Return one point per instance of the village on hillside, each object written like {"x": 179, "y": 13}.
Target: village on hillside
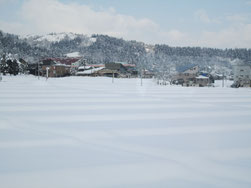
{"x": 188, "y": 76}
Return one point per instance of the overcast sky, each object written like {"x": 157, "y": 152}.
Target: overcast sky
{"x": 205, "y": 23}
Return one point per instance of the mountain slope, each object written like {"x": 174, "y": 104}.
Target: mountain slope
{"x": 103, "y": 48}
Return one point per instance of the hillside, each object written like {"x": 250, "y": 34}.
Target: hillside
{"x": 102, "y": 49}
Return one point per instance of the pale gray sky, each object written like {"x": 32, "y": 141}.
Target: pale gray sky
{"x": 208, "y": 23}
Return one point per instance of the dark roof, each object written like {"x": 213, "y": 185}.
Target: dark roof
{"x": 48, "y": 62}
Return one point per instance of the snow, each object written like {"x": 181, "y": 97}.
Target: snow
{"x": 223, "y": 83}
{"x": 73, "y": 54}
{"x": 52, "y": 37}
{"x": 202, "y": 77}
{"x": 90, "y": 71}
{"x": 93, "y": 40}
{"x": 149, "y": 48}
{"x": 89, "y": 132}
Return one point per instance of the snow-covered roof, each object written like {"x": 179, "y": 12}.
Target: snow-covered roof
{"x": 91, "y": 66}
{"x": 89, "y": 71}
{"x": 60, "y": 64}
{"x": 84, "y": 67}
{"x": 202, "y": 77}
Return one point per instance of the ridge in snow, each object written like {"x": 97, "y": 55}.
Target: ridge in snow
{"x": 52, "y": 37}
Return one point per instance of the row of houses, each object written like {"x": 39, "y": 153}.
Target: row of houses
{"x": 114, "y": 69}
{"x": 79, "y": 67}
{"x": 59, "y": 67}
{"x": 190, "y": 76}
{"x": 193, "y": 77}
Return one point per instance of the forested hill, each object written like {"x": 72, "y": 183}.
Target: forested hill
{"x": 103, "y": 48}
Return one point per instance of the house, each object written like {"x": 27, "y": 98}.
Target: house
{"x": 132, "y": 72}
{"x": 186, "y": 76}
{"x": 116, "y": 67}
{"x": 242, "y": 76}
{"x": 75, "y": 65}
{"x": 202, "y": 81}
{"x": 147, "y": 74}
{"x": 207, "y": 74}
{"x": 109, "y": 73}
{"x": 72, "y": 62}
{"x": 55, "y": 69}
{"x": 121, "y": 69}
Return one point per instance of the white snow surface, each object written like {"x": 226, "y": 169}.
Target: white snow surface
{"x": 73, "y": 54}
{"x": 89, "y": 132}
{"x": 52, "y": 37}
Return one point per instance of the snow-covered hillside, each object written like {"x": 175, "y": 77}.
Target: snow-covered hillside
{"x": 73, "y": 54}
{"x": 87, "y": 132}
{"x": 51, "y": 37}
{"x": 49, "y": 40}
{"x": 100, "y": 49}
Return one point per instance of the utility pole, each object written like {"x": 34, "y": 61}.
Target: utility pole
{"x": 223, "y": 80}
{"x": 38, "y": 70}
{"x": 141, "y": 79}
{"x": 112, "y": 76}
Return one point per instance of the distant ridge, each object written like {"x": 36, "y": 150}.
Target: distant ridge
{"x": 102, "y": 48}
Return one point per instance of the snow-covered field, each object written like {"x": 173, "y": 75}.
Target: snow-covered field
{"x": 80, "y": 132}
